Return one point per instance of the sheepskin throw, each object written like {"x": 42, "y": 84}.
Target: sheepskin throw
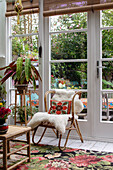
{"x": 59, "y": 121}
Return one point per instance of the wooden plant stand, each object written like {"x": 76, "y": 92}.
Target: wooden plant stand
{"x": 23, "y": 103}
{"x": 15, "y": 131}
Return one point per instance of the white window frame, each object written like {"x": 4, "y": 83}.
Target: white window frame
{"x": 63, "y": 60}
{"x": 9, "y": 37}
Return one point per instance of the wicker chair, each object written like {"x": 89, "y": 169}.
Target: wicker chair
{"x": 72, "y": 120}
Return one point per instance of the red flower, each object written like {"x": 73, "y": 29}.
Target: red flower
{"x": 37, "y": 157}
{"x": 70, "y": 150}
{"x": 59, "y": 104}
{"x": 108, "y": 158}
{"x": 53, "y": 107}
{"x": 84, "y": 160}
{"x": 34, "y": 151}
{"x": 4, "y": 112}
{"x": 58, "y": 112}
{"x": 64, "y": 107}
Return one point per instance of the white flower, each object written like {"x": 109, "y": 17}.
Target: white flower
{"x": 60, "y": 85}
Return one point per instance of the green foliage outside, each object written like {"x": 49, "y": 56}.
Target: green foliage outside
{"x": 28, "y": 45}
{"x": 71, "y": 45}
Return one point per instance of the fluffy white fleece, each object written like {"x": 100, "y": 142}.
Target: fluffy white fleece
{"x": 59, "y": 121}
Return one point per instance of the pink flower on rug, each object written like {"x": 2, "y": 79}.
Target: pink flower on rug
{"x": 84, "y": 160}
{"x": 108, "y": 158}
{"x": 40, "y": 158}
{"x": 23, "y": 167}
{"x": 57, "y": 165}
{"x": 34, "y": 151}
{"x": 70, "y": 150}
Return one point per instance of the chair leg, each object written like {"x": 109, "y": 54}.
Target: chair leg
{"x": 55, "y": 132}
{"x": 59, "y": 144}
{"x": 62, "y": 148}
{"x": 78, "y": 130}
{"x": 36, "y": 143}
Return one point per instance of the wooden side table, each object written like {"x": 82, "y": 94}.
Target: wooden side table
{"x": 15, "y": 131}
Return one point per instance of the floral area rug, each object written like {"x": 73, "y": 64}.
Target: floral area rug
{"x": 51, "y": 158}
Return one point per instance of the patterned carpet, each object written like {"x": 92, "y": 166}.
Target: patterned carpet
{"x": 51, "y": 158}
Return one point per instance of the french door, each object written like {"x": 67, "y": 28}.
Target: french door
{"x": 103, "y": 119}
{"x": 99, "y": 122}
{"x": 96, "y": 121}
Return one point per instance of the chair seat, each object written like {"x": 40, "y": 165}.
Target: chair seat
{"x": 43, "y": 118}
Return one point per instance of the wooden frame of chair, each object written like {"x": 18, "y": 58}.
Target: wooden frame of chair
{"x": 73, "y": 125}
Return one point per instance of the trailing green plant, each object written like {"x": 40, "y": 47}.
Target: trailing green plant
{"x": 21, "y": 71}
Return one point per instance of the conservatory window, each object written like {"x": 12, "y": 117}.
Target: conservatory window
{"x": 69, "y": 51}
{"x": 24, "y": 43}
{"x": 68, "y": 56}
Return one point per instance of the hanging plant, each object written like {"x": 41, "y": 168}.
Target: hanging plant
{"x": 18, "y": 8}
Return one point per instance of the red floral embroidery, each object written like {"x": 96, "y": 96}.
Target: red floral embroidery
{"x": 60, "y": 107}
{"x": 58, "y": 112}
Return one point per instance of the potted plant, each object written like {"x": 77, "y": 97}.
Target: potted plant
{"x": 22, "y": 73}
{"x": 21, "y": 112}
{"x": 4, "y": 112}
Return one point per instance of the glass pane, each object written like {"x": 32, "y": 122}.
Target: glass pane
{"x": 69, "y": 75}
{"x": 28, "y": 24}
{"x": 34, "y": 100}
{"x": 25, "y": 47}
{"x": 107, "y": 107}
{"x": 69, "y": 46}
{"x": 83, "y": 114}
{"x": 69, "y": 22}
{"x": 107, "y": 17}
{"x": 107, "y": 75}
{"x": 107, "y": 44}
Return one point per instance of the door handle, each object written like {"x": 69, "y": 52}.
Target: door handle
{"x": 98, "y": 67}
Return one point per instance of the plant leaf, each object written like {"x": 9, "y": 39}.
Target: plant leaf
{"x": 6, "y": 76}
{"x": 27, "y": 69}
{"x": 36, "y": 72}
{"x": 19, "y": 67}
{"x": 22, "y": 80}
{"x": 2, "y": 68}
{"x": 34, "y": 83}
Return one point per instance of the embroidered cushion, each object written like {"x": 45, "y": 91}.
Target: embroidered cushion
{"x": 60, "y": 107}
